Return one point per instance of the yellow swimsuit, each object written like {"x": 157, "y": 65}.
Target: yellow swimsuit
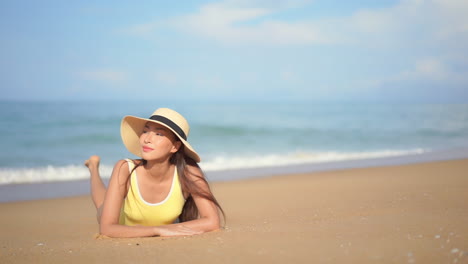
{"x": 136, "y": 211}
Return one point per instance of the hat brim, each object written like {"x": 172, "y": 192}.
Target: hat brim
{"x": 131, "y": 129}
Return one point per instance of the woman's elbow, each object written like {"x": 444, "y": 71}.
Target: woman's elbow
{"x": 213, "y": 224}
{"x": 105, "y": 230}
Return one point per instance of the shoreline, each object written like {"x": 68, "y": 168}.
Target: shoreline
{"x": 412, "y": 213}
{"x": 62, "y": 189}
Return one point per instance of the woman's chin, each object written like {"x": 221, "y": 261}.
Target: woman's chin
{"x": 152, "y": 157}
{"x": 147, "y": 156}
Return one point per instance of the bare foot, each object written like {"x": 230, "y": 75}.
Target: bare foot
{"x": 92, "y": 162}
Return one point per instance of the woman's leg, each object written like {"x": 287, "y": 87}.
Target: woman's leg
{"x": 98, "y": 189}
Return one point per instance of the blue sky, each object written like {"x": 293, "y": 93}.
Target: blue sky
{"x": 322, "y": 50}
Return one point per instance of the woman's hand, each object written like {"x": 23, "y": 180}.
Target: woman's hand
{"x": 175, "y": 230}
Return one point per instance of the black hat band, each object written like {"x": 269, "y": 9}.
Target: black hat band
{"x": 170, "y": 124}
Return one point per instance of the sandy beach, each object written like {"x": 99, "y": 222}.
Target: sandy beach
{"x": 414, "y": 213}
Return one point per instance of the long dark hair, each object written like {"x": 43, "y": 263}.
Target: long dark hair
{"x": 189, "y": 186}
{"x": 190, "y": 210}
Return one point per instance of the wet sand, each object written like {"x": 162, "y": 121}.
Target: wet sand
{"x": 391, "y": 214}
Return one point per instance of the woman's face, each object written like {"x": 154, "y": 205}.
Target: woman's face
{"x": 157, "y": 142}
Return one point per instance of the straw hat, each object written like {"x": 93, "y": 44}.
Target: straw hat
{"x": 132, "y": 127}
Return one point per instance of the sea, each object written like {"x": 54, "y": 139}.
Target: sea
{"x": 49, "y": 141}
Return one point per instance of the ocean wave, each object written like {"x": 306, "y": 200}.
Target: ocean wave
{"x": 270, "y": 160}
{"x": 48, "y": 174}
{"x": 216, "y": 163}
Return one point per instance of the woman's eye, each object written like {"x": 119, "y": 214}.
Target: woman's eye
{"x": 159, "y": 134}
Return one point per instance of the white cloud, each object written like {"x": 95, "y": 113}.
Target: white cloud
{"x": 431, "y": 68}
{"x": 235, "y": 22}
{"x": 426, "y": 69}
{"x": 420, "y": 21}
{"x": 436, "y": 70}
{"x": 250, "y": 22}
{"x": 273, "y": 4}
{"x": 240, "y": 22}
{"x": 452, "y": 19}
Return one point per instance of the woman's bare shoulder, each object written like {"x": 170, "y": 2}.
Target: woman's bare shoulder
{"x": 124, "y": 163}
{"x": 121, "y": 169}
{"x": 121, "y": 164}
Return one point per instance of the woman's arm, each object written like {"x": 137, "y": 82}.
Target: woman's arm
{"x": 209, "y": 217}
{"x": 109, "y": 223}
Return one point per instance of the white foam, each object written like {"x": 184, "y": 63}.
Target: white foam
{"x": 221, "y": 162}
{"x": 299, "y": 157}
{"x": 49, "y": 173}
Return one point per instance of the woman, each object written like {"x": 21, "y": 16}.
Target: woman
{"x": 145, "y": 197}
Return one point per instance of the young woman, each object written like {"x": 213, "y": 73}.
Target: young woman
{"x": 147, "y": 196}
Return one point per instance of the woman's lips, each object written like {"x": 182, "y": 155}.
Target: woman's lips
{"x": 147, "y": 149}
